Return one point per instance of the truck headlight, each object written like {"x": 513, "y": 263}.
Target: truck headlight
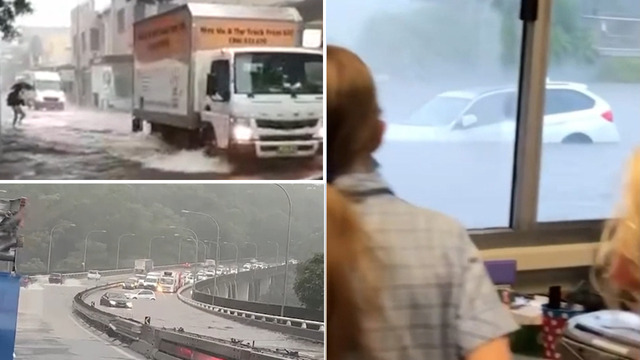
{"x": 242, "y": 132}
{"x": 320, "y": 132}
{"x": 242, "y": 121}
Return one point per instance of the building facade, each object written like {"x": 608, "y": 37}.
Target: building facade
{"x": 103, "y": 44}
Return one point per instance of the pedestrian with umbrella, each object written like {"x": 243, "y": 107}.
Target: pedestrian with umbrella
{"x": 15, "y": 100}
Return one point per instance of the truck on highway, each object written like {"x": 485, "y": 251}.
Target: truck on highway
{"x": 170, "y": 282}
{"x": 231, "y": 78}
{"x": 142, "y": 266}
{"x": 209, "y": 263}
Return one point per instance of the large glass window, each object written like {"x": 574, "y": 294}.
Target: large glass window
{"x": 592, "y": 120}
{"x": 447, "y": 76}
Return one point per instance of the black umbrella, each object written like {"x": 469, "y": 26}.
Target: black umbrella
{"x": 21, "y": 86}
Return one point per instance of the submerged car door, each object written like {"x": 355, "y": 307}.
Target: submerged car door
{"x": 491, "y": 118}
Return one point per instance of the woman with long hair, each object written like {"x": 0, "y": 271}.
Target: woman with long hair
{"x": 437, "y": 300}
{"x": 350, "y": 261}
{"x": 616, "y": 274}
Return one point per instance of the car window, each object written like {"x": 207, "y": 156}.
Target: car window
{"x": 439, "y": 111}
{"x": 563, "y": 100}
{"x": 492, "y": 109}
{"x": 146, "y": 292}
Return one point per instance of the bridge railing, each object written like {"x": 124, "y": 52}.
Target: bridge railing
{"x": 309, "y": 327}
{"x": 163, "y": 343}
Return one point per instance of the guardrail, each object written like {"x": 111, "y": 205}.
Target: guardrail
{"x": 167, "y": 344}
{"x": 307, "y": 329}
{"x": 78, "y": 275}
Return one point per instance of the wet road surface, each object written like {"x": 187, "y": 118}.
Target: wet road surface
{"x": 92, "y": 145}
{"x": 47, "y": 329}
{"x": 168, "y": 311}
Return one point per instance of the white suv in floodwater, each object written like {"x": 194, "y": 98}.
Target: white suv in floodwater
{"x": 573, "y": 114}
{"x": 94, "y": 275}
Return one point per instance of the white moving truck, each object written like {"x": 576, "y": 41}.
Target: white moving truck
{"x": 142, "y": 266}
{"x": 231, "y": 78}
{"x": 47, "y": 90}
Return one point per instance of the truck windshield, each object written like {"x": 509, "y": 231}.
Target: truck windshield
{"x": 166, "y": 281}
{"x": 47, "y": 85}
{"x": 278, "y": 73}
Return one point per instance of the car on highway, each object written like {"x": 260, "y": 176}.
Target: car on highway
{"x": 141, "y": 294}
{"x": 151, "y": 282}
{"x": 130, "y": 284}
{"x": 56, "y": 278}
{"x": 573, "y": 114}
{"x": 140, "y": 278}
{"x": 117, "y": 300}
{"x": 94, "y": 275}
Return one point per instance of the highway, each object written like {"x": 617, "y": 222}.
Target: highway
{"x": 170, "y": 312}
{"x": 47, "y": 329}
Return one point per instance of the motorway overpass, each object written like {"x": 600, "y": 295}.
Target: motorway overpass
{"x": 47, "y": 330}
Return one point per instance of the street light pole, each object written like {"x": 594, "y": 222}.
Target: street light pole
{"x": 51, "y": 242}
{"x": 86, "y": 245}
{"x": 215, "y": 276}
{"x": 205, "y": 247}
{"x": 151, "y": 242}
{"x": 255, "y": 245}
{"x": 277, "y": 250}
{"x": 195, "y": 242}
{"x": 195, "y": 265}
{"x": 118, "y": 252}
{"x": 237, "y": 257}
{"x": 286, "y": 255}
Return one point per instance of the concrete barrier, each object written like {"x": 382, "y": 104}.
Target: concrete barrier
{"x": 167, "y": 344}
{"x": 306, "y": 329}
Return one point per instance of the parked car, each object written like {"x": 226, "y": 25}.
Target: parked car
{"x": 141, "y": 294}
{"x": 94, "y": 275}
{"x": 56, "y": 278}
{"x": 117, "y": 300}
{"x": 572, "y": 114}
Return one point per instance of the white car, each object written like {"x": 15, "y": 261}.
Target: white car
{"x": 141, "y": 294}
{"x": 94, "y": 275}
{"x": 573, "y": 114}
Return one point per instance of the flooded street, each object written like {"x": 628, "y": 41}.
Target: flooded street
{"x": 93, "y": 145}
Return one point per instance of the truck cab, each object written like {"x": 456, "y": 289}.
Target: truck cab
{"x": 262, "y": 102}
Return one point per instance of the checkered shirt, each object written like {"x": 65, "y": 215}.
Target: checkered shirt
{"x": 438, "y": 298}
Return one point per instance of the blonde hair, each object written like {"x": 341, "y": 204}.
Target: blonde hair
{"x": 352, "y": 110}
{"x": 616, "y": 273}
{"x": 350, "y": 260}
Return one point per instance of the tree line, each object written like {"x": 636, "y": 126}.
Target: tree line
{"x": 251, "y": 217}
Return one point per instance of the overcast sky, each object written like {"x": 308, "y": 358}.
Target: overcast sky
{"x": 53, "y": 13}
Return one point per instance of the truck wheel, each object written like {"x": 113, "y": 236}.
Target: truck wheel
{"x": 136, "y": 124}
{"x": 208, "y": 139}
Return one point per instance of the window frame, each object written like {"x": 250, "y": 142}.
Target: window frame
{"x": 524, "y": 228}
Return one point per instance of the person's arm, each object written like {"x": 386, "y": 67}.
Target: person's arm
{"x": 497, "y": 349}
{"x": 483, "y": 322}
